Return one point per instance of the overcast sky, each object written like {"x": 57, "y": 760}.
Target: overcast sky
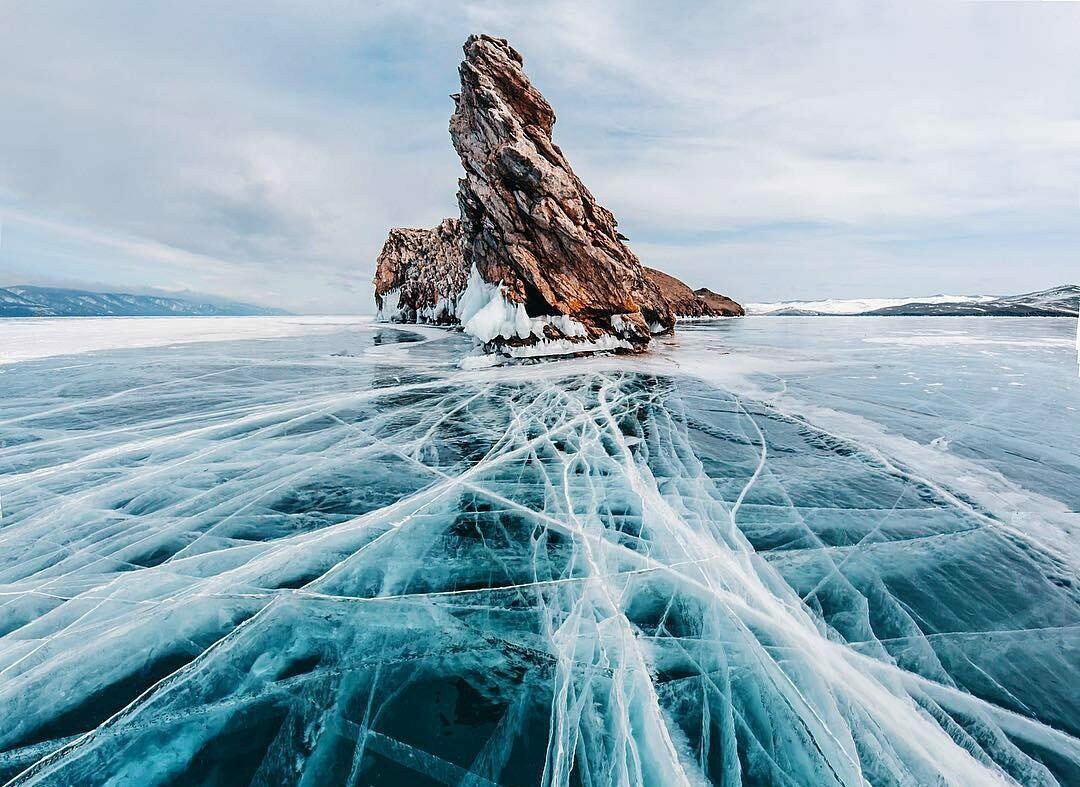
{"x": 260, "y": 149}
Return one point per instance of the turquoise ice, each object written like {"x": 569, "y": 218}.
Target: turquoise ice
{"x": 773, "y": 551}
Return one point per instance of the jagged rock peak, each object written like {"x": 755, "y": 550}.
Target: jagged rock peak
{"x": 548, "y": 260}
{"x": 420, "y": 274}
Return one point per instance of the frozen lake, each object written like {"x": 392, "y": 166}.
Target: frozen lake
{"x": 313, "y": 551}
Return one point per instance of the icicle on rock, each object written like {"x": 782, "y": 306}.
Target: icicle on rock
{"x": 420, "y": 275}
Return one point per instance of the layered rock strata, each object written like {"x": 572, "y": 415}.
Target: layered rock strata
{"x": 420, "y": 275}
{"x": 547, "y": 261}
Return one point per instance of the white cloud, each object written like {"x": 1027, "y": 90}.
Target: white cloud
{"x": 281, "y": 142}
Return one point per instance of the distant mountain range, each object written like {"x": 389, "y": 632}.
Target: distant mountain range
{"x": 59, "y": 302}
{"x": 1061, "y": 301}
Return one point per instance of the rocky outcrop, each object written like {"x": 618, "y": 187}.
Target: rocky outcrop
{"x": 420, "y": 274}
{"x": 720, "y": 305}
{"x": 688, "y": 303}
{"x": 535, "y": 266}
{"x": 547, "y": 261}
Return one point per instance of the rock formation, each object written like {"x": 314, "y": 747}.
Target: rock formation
{"x": 534, "y": 266}
{"x": 720, "y": 305}
{"x": 685, "y": 302}
{"x": 420, "y": 275}
{"x": 548, "y": 263}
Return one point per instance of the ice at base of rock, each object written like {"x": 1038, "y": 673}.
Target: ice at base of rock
{"x": 485, "y": 313}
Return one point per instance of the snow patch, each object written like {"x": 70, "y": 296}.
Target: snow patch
{"x": 860, "y": 305}
{"x": 27, "y": 338}
{"x": 485, "y": 313}
{"x": 948, "y": 340}
{"x": 479, "y": 361}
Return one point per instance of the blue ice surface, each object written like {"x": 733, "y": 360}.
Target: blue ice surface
{"x": 774, "y": 551}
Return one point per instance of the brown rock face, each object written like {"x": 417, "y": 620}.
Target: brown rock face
{"x": 720, "y": 305}
{"x": 420, "y": 274}
{"x": 680, "y": 297}
{"x": 685, "y": 302}
{"x": 527, "y": 221}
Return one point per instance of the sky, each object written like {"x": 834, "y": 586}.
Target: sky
{"x": 260, "y": 149}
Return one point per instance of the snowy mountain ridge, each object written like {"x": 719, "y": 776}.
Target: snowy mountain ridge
{"x": 1055, "y": 302}
{"x": 27, "y": 301}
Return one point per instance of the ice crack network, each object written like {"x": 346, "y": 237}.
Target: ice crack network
{"x": 316, "y": 568}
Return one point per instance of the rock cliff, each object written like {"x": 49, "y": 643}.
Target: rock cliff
{"x": 685, "y": 302}
{"x": 720, "y": 305}
{"x": 548, "y": 263}
{"x": 420, "y": 274}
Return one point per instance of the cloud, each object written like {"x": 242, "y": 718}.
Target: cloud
{"x": 261, "y": 150}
